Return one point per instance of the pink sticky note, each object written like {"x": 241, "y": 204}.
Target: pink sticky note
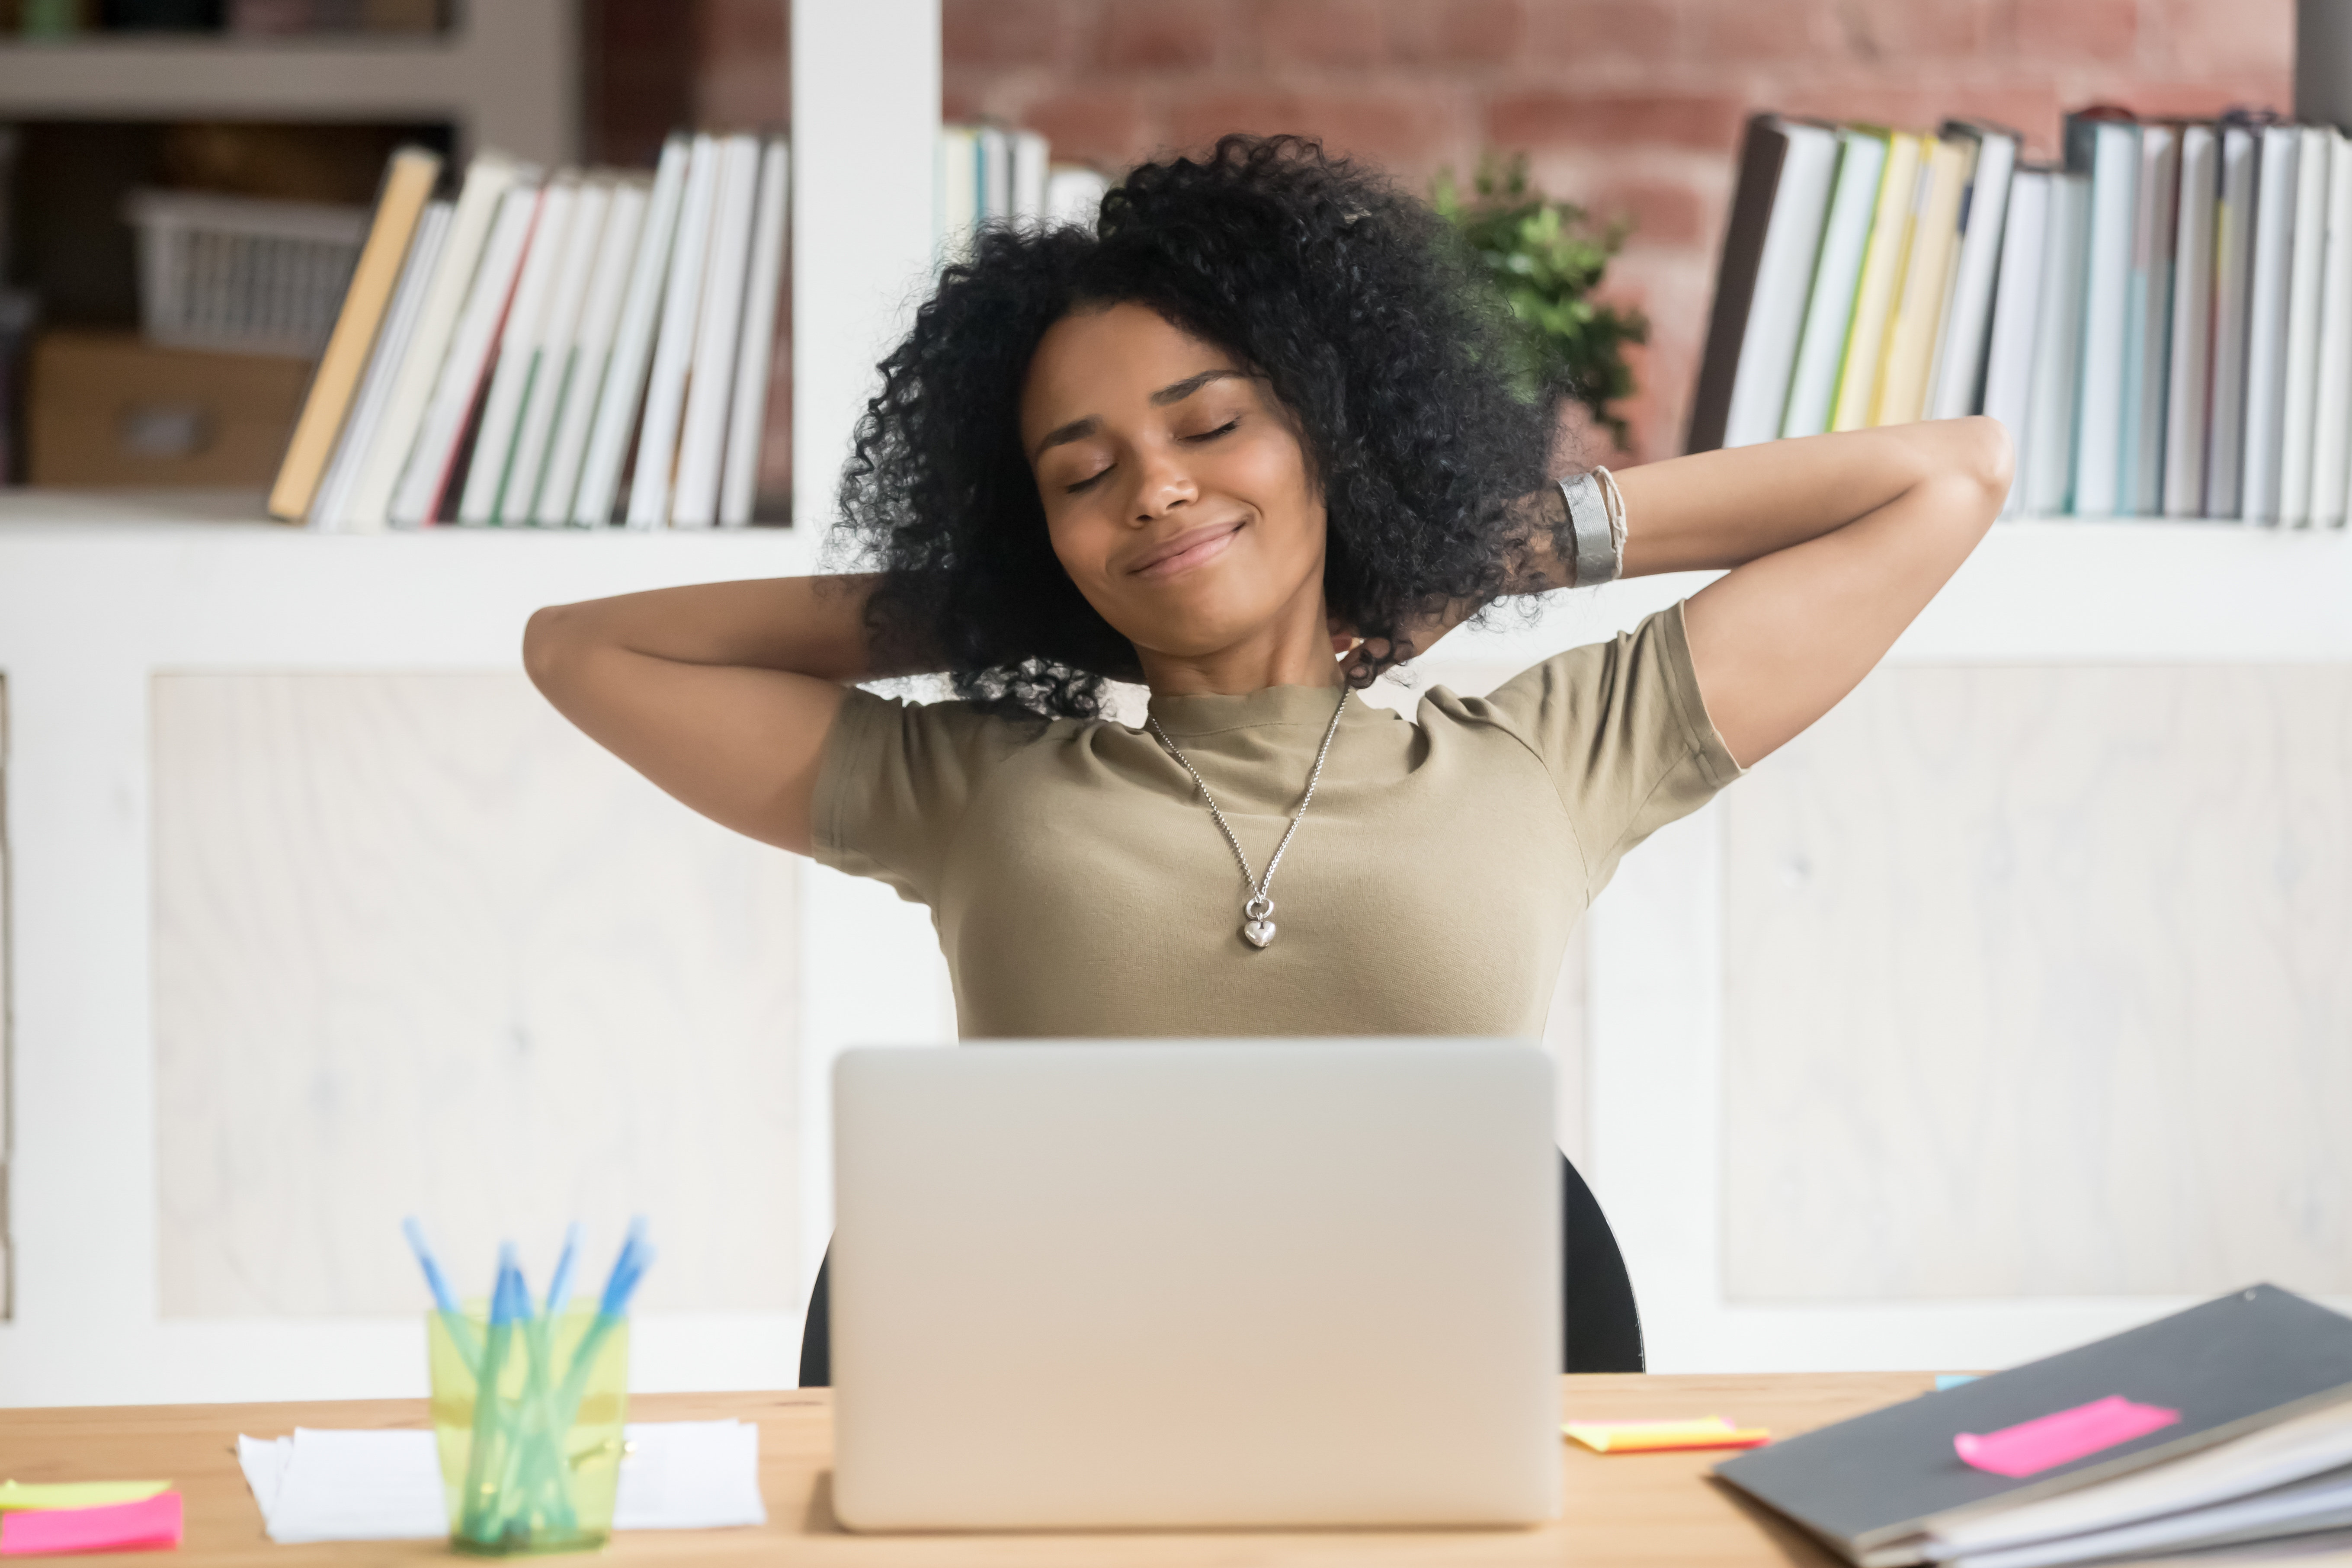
{"x": 146, "y": 1526}
{"x": 2046, "y": 1442}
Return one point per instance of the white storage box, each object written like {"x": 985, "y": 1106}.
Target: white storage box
{"x": 239, "y": 274}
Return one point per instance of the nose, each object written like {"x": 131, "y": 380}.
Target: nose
{"x": 1163, "y": 482}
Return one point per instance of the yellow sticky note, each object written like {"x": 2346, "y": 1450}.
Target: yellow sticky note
{"x": 77, "y": 1494}
{"x": 1655, "y": 1437}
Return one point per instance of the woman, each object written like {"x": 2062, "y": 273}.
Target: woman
{"x": 1252, "y": 443}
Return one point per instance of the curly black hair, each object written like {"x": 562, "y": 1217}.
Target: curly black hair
{"x": 1357, "y": 303}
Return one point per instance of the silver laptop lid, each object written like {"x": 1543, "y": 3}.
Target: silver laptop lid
{"x": 1119, "y": 1284}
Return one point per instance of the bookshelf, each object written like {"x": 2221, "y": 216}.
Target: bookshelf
{"x": 506, "y": 75}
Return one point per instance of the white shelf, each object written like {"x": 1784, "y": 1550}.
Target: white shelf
{"x": 206, "y": 584}
{"x": 508, "y": 77}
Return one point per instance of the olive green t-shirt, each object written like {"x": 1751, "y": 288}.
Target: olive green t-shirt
{"x": 1080, "y": 888}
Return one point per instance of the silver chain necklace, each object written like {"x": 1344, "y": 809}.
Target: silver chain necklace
{"x": 1257, "y": 909}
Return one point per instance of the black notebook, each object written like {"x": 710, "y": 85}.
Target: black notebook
{"x": 1870, "y": 1486}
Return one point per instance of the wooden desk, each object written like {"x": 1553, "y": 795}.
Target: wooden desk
{"x": 1622, "y": 1509}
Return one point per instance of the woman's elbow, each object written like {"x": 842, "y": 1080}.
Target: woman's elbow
{"x": 550, "y": 640}
{"x": 1988, "y": 458}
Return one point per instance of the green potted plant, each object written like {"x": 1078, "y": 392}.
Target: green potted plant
{"x": 1548, "y": 259}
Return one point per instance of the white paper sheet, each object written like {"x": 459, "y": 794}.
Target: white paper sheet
{"x": 387, "y": 1485}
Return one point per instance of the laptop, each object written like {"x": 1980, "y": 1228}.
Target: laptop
{"x": 1195, "y": 1284}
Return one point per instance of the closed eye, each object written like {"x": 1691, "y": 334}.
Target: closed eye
{"x": 1085, "y": 484}
{"x": 1225, "y": 430}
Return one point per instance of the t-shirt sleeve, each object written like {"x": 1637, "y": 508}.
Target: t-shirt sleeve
{"x": 894, "y": 784}
{"x": 1622, "y": 729}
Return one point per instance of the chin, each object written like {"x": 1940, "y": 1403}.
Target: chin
{"x": 1185, "y": 621}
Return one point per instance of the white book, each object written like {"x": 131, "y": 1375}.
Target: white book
{"x": 2016, "y": 319}
{"x": 2147, "y": 333}
{"x": 2271, "y": 279}
{"x": 1837, "y": 273}
{"x": 1029, "y": 156}
{"x": 600, "y": 317}
{"x": 488, "y": 179}
{"x": 2233, "y": 265}
{"x": 2331, "y": 442}
{"x": 2309, "y": 256}
{"x": 995, "y": 174}
{"x": 2189, "y": 392}
{"x": 329, "y": 509}
{"x": 747, "y": 409}
{"x": 554, "y": 354}
{"x": 2108, "y": 151}
{"x": 960, "y": 207}
{"x": 1960, "y": 354}
{"x": 1784, "y": 275}
{"x": 472, "y": 341}
{"x": 1074, "y": 196}
{"x": 657, "y": 428}
{"x": 623, "y": 387}
{"x": 2050, "y": 446}
{"x": 703, "y": 435}
{"x": 518, "y": 351}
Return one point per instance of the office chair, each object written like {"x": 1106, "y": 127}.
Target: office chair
{"x": 1601, "y": 1328}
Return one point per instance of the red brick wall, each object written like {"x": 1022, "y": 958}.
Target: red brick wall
{"x": 1630, "y": 107}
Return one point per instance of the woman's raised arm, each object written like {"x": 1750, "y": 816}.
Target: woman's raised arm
{"x": 722, "y": 694}
{"x": 1834, "y": 544}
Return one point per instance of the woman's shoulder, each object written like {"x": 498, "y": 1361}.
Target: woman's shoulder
{"x": 976, "y": 727}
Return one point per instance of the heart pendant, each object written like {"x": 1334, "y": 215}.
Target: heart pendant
{"x": 1259, "y": 932}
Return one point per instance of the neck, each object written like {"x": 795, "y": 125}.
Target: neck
{"x": 1292, "y": 649}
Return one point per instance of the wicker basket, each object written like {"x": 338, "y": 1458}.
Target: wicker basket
{"x": 240, "y": 275}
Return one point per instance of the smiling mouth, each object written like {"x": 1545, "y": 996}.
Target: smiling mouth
{"x": 1191, "y": 548}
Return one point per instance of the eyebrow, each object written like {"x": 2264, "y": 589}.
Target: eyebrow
{"x": 1175, "y": 392}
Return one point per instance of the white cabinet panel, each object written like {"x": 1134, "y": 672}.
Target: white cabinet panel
{"x": 2035, "y": 983}
{"x": 420, "y": 947}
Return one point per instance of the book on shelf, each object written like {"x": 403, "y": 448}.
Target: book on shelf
{"x": 1962, "y": 342}
{"x": 1837, "y": 275}
{"x": 1776, "y": 234}
{"x": 2163, "y": 322}
{"x": 427, "y": 477}
{"x": 408, "y": 182}
{"x": 528, "y": 296}
{"x": 585, "y": 347}
{"x": 623, "y": 392}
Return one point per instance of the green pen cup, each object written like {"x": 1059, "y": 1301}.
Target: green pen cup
{"x": 530, "y": 1443}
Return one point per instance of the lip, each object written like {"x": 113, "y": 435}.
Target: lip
{"x": 1193, "y": 547}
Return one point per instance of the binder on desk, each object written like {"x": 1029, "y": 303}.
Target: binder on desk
{"x": 2249, "y": 1393}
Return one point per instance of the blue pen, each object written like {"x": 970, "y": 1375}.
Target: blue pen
{"x": 559, "y": 1284}
{"x": 461, "y": 1332}
{"x": 488, "y": 1457}
{"x": 543, "y": 1374}
{"x": 629, "y": 1268}
{"x": 434, "y": 1279}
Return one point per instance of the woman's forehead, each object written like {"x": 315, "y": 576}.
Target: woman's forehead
{"x": 1105, "y": 361}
